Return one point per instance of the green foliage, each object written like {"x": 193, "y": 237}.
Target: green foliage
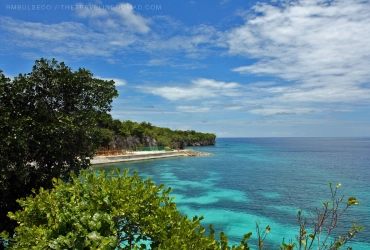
{"x": 48, "y": 127}
{"x": 105, "y": 136}
{"x": 103, "y": 212}
{"x": 262, "y": 235}
{"x": 325, "y": 221}
{"x": 162, "y": 136}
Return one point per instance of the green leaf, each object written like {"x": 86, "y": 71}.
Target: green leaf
{"x": 352, "y": 201}
{"x": 94, "y": 236}
{"x": 4, "y": 235}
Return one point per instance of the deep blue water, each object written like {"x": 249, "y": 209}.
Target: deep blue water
{"x": 267, "y": 180}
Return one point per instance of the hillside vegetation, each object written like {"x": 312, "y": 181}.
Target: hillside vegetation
{"x": 127, "y": 134}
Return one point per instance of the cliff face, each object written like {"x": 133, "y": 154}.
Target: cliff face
{"x": 204, "y": 143}
{"x": 184, "y": 144}
{"x": 129, "y": 142}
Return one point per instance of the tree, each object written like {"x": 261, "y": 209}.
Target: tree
{"x": 106, "y": 136}
{"x": 48, "y": 124}
{"x": 109, "y": 212}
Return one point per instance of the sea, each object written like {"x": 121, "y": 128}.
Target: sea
{"x": 266, "y": 181}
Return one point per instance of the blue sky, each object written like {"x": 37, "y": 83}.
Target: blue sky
{"x": 231, "y": 67}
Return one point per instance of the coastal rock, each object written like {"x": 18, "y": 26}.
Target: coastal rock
{"x": 203, "y": 143}
{"x": 195, "y": 153}
{"x": 149, "y": 141}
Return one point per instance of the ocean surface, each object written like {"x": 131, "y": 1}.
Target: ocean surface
{"x": 267, "y": 180}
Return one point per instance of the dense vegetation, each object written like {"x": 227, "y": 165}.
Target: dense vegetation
{"x": 48, "y": 124}
{"x": 129, "y": 134}
{"x": 98, "y": 212}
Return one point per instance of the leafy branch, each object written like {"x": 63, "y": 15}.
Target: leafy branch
{"x": 324, "y": 222}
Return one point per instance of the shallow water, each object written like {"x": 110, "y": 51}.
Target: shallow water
{"x": 266, "y": 180}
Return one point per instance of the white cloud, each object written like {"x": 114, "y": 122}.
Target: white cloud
{"x": 322, "y": 48}
{"x": 196, "y": 41}
{"x": 157, "y": 62}
{"x": 108, "y": 33}
{"x": 174, "y": 63}
{"x": 132, "y": 19}
{"x": 117, "y": 81}
{"x": 199, "y": 89}
{"x": 213, "y": 84}
{"x": 177, "y": 93}
{"x": 39, "y": 31}
{"x": 121, "y": 14}
{"x": 192, "y": 109}
{"x": 86, "y": 11}
{"x": 66, "y": 38}
{"x": 283, "y": 111}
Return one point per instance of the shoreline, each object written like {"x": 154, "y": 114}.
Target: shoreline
{"x": 143, "y": 155}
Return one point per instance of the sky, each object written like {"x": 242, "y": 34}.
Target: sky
{"x": 236, "y": 68}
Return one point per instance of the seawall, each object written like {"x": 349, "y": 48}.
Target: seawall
{"x": 136, "y": 156}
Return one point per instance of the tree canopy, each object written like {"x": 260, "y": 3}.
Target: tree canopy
{"x": 49, "y": 128}
{"x": 109, "y": 212}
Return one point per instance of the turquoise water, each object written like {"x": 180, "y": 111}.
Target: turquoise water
{"x": 266, "y": 180}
